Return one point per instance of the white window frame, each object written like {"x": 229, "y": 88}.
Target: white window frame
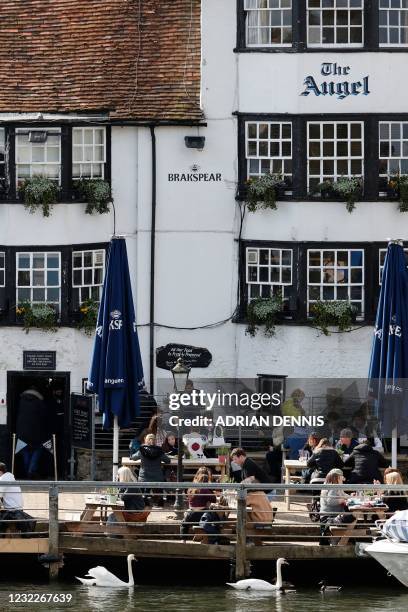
{"x": 3, "y": 152}
{"x": 51, "y": 131}
{"x": 274, "y": 286}
{"x": 334, "y": 9}
{"x": 255, "y": 12}
{"x": 381, "y": 265}
{"x": 401, "y": 141}
{"x": 336, "y": 284}
{"x": 335, "y": 158}
{"x": 387, "y": 11}
{"x": 91, "y": 147}
{"x": 266, "y": 161}
{"x": 3, "y": 267}
{"x": 94, "y": 267}
{"x": 31, "y": 270}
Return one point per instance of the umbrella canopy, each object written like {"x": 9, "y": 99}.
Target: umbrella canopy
{"x": 116, "y": 372}
{"x": 389, "y": 356}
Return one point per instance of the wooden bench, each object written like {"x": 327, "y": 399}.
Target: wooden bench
{"x": 202, "y": 536}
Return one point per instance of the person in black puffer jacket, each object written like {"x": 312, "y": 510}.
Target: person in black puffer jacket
{"x": 324, "y": 459}
{"x": 365, "y": 463}
{"x": 151, "y": 458}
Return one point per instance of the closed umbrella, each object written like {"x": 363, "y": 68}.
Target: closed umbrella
{"x": 389, "y": 356}
{"x": 116, "y": 373}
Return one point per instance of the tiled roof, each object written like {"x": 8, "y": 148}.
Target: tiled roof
{"x": 138, "y": 59}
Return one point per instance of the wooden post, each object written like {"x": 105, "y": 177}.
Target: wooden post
{"x": 53, "y": 530}
{"x": 240, "y": 548}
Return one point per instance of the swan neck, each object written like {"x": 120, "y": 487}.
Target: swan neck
{"x": 279, "y": 581}
{"x": 131, "y": 581}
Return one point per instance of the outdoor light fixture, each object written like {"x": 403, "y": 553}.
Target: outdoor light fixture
{"x": 37, "y": 136}
{"x": 195, "y": 142}
{"x": 180, "y": 374}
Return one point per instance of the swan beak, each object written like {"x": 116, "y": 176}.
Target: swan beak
{"x": 286, "y": 563}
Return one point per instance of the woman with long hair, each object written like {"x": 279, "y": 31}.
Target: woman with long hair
{"x": 199, "y": 500}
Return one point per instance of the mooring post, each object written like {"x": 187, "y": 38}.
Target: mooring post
{"x": 53, "y": 531}
{"x": 240, "y": 548}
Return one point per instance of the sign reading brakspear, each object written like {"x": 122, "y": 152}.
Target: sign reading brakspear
{"x": 338, "y": 82}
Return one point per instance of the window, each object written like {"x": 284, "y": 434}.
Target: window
{"x": 268, "y": 271}
{"x": 38, "y": 277}
{"x": 335, "y": 274}
{"x": 2, "y": 269}
{"x": 393, "y": 23}
{"x": 268, "y": 22}
{"x": 393, "y": 150}
{"x": 2, "y": 159}
{"x": 381, "y": 261}
{"x": 269, "y": 149}
{"x": 335, "y": 149}
{"x": 38, "y": 151}
{"x": 87, "y": 275}
{"x": 88, "y": 152}
{"x": 335, "y": 23}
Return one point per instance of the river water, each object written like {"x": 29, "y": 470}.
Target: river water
{"x": 204, "y": 599}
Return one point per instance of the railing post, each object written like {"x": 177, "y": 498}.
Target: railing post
{"x": 53, "y": 531}
{"x": 240, "y": 548}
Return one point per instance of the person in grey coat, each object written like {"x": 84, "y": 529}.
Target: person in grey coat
{"x": 151, "y": 458}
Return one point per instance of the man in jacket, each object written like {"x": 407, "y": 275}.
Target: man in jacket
{"x": 249, "y": 469}
{"x": 347, "y": 442}
{"x": 365, "y": 463}
{"x": 151, "y": 458}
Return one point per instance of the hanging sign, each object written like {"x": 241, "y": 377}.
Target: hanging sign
{"x": 341, "y": 88}
{"x": 193, "y": 356}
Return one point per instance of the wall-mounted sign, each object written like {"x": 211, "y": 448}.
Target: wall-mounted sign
{"x": 82, "y": 421}
{"x": 195, "y": 176}
{"x": 341, "y": 88}
{"x": 193, "y": 356}
{"x": 39, "y": 360}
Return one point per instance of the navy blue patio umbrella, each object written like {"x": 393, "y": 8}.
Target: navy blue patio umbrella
{"x": 116, "y": 373}
{"x": 388, "y": 371}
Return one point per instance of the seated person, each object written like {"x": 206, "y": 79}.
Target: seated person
{"x": 169, "y": 445}
{"x": 333, "y": 506}
{"x": 133, "y": 501}
{"x": 212, "y": 520}
{"x": 324, "y": 459}
{"x": 12, "y": 504}
{"x": 365, "y": 463}
{"x": 394, "y": 498}
{"x": 199, "y": 501}
{"x": 347, "y": 442}
{"x": 311, "y": 444}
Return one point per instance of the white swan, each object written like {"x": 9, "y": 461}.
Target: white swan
{"x": 252, "y": 584}
{"x": 100, "y": 576}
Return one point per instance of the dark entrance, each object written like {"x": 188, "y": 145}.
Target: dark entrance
{"x": 54, "y": 387}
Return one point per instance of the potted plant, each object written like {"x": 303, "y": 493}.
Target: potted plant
{"x": 398, "y": 187}
{"x": 41, "y": 316}
{"x": 349, "y": 189}
{"x": 222, "y": 453}
{"x": 88, "y": 316}
{"x": 325, "y": 189}
{"x": 96, "y": 192}
{"x": 39, "y": 192}
{"x": 337, "y": 313}
{"x": 263, "y": 311}
{"x": 263, "y": 191}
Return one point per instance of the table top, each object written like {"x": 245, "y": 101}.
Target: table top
{"x": 294, "y": 463}
{"x": 101, "y": 500}
{"x": 174, "y": 459}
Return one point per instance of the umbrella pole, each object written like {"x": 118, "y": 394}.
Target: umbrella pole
{"x": 115, "y": 448}
{"x": 14, "y": 453}
{"x": 394, "y": 446}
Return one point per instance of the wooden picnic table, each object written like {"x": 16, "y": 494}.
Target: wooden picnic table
{"x": 362, "y": 513}
{"x": 97, "y": 507}
{"x": 187, "y": 463}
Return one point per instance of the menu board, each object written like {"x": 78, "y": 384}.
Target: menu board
{"x": 82, "y": 422}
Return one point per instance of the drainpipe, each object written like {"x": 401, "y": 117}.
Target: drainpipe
{"x": 152, "y": 258}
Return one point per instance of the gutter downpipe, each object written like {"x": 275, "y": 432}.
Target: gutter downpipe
{"x": 152, "y": 256}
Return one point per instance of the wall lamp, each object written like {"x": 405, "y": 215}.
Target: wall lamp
{"x": 194, "y": 142}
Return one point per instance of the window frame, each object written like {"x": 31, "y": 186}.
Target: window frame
{"x": 45, "y": 269}
{"x": 83, "y": 268}
{"x": 299, "y": 33}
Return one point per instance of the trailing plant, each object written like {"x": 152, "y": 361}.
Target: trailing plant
{"x": 88, "y": 316}
{"x": 347, "y": 188}
{"x": 41, "y": 316}
{"x": 97, "y": 194}
{"x": 263, "y": 311}
{"x": 39, "y": 192}
{"x": 337, "y": 313}
{"x": 263, "y": 191}
{"x": 399, "y": 184}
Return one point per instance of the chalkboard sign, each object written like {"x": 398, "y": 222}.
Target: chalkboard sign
{"x": 39, "y": 360}
{"x": 82, "y": 422}
{"x": 193, "y": 356}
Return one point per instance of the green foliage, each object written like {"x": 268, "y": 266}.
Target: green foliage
{"x": 89, "y": 315}
{"x": 263, "y": 311}
{"x": 41, "y": 316}
{"x": 39, "y": 192}
{"x": 400, "y": 185}
{"x": 263, "y": 190}
{"x": 347, "y": 188}
{"x": 336, "y": 313}
{"x": 97, "y": 194}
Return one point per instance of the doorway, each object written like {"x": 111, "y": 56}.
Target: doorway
{"x": 54, "y": 389}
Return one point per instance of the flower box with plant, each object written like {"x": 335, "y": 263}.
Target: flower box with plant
{"x": 39, "y": 316}
{"x": 96, "y": 192}
{"x": 263, "y": 191}
{"x": 39, "y": 192}
{"x": 335, "y": 313}
{"x": 222, "y": 454}
{"x": 88, "y": 311}
{"x": 349, "y": 189}
{"x": 264, "y": 311}
{"x": 398, "y": 187}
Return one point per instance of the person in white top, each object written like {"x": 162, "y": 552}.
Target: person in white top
{"x": 12, "y": 498}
